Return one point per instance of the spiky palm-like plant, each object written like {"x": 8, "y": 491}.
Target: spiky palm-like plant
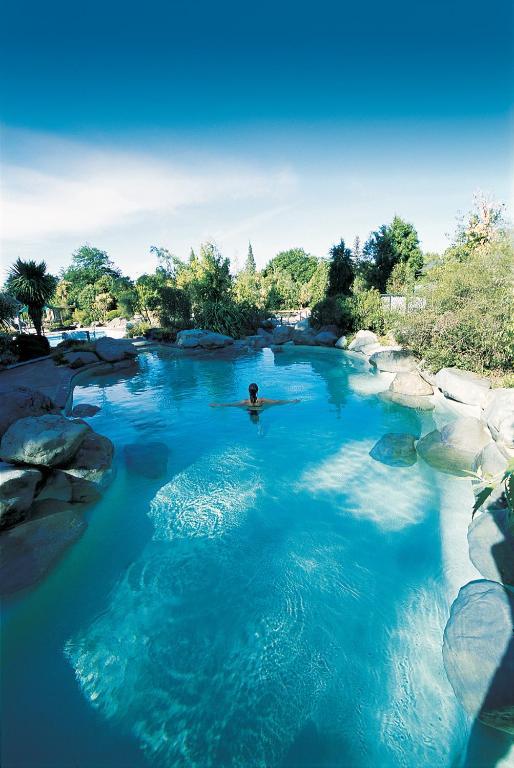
{"x": 31, "y": 284}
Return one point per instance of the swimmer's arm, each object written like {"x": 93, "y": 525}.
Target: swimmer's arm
{"x": 239, "y": 404}
{"x": 267, "y": 401}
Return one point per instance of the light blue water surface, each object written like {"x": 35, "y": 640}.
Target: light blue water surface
{"x": 277, "y": 599}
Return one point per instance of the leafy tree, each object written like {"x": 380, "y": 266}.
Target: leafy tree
{"x": 389, "y": 245}
{"x": 88, "y": 265}
{"x": 174, "y": 307}
{"x": 31, "y": 284}
{"x": 482, "y": 227}
{"x": 250, "y": 266}
{"x": 317, "y": 287}
{"x": 342, "y": 271}
{"x": 288, "y": 271}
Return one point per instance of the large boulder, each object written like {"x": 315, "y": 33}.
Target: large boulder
{"x": 491, "y": 544}
{"x": 202, "y": 339}
{"x": 369, "y": 349}
{"x": 18, "y": 402}
{"x": 394, "y": 360}
{"x": 30, "y": 550}
{"x": 257, "y": 341}
{"x": 418, "y": 402}
{"x": 341, "y": 343}
{"x": 302, "y": 325}
{"x": 47, "y": 441}
{"x": 499, "y": 417}
{"x": 362, "y": 339}
{"x": 395, "y": 450}
{"x": 325, "y": 339}
{"x": 17, "y": 489}
{"x": 412, "y": 384}
{"x": 478, "y": 652}
{"x": 111, "y": 350}
{"x": 282, "y": 333}
{"x": 305, "y": 337}
{"x": 147, "y": 459}
{"x": 57, "y": 487}
{"x": 90, "y": 470}
{"x": 463, "y": 386}
{"x": 80, "y": 359}
{"x": 490, "y": 464}
{"x": 453, "y": 449}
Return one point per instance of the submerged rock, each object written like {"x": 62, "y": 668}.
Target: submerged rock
{"x": 478, "y": 652}
{"x": 30, "y": 550}
{"x": 111, "y": 350}
{"x": 84, "y": 410}
{"x": 18, "y": 402}
{"x": 453, "y": 449}
{"x": 491, "y": 545}
{"x": 463, "y": 386}
{"x": 42, "y": 440}
{"x": 17, "y": 489}
{"x": 362, "y": 339}
{"x": 147, "y": 459}
{"x": 419, "y": 402}
{"x": 411, "y": 383}
{"x": 394, "y": 360}
{"x": 395, "y": 449}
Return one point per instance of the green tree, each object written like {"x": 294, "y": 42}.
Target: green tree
{"x": 317, "y": 288}
{"x": 387, "y": 246}
{"x": 30, "y": 284}
{"x": 483, "y": 226}
{"x": 288, "y": 272}
{"x": 250, "y": 266}
{"x": 342, "y": 271}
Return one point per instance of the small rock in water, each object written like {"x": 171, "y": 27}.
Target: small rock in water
{"x": 454, "y": 448}
{"x": 147, "y": 459}
{"x": 395, "y": 449}
{"x": 84, "y": 410}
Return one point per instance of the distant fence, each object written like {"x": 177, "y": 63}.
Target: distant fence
{"x": 401, "y": 303}
{"x": 292, "y": 316}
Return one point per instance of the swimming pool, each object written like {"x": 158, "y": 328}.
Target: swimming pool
{"x": 277, "y": 598}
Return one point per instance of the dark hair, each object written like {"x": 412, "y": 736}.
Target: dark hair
{"x": 253, "y": 389}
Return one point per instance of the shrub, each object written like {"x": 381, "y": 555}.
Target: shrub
{"x": 368, "y": 311}
{"x": 174, "y": 307}
{"x": 28, "y": 346}
{"x": 334, "y": 310}
{"x": 9, "y": 308}
{"x": 137, "y": 329}
{"x": 229, "y": 318}
{"x": 468, "y": 320}
{"x": 8, "y": 354}
{"x": 161, "y": 334}
{"x": 112, "y": 314}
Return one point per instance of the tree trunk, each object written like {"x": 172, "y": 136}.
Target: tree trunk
{"x": 36, "y": 315}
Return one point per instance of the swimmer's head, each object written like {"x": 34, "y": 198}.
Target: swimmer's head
{"x": 252, "y": 390}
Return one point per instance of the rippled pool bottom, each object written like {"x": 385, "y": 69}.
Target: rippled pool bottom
{"x": 277, "y": 599}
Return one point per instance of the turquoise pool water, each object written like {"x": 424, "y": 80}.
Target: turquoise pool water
{"x": 276, "y": 599}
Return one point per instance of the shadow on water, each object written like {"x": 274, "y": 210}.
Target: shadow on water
{"x": 487, "y": 746}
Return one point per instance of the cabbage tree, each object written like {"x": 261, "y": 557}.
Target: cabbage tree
{"x": 30, "y": 284}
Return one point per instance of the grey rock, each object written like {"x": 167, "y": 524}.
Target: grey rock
{"x": 263, "y": 332}
{"x": 304, "y": 337}
{"x": 84, "y": 410}
{"x": 147, "y": 459}
{"x": 491, "y": 545}
{"x": 490, "y": 464}
{"x": 499, "y": 417}
{"x": 203, "y": 339}
{"x": 394, "y": 360}
{"x": 412, "y": 384}
{"x": 395, "y": 450}
{"x": 17, "y": 489}
{"x": 369, "y": 349}
{"x": 463, "y": 386}
{"x": 19, "y": 402}
{"x": 112, "y": 350}
{"x": 478, "y": 652}
{"x": 341, "y": 343}
{"x": 325, "y": 339}
{"x": 80, "y": 359}
{"x": 42, "y": 440}
{"x": 420, "y": 403}
{"x": 90, "y": 470}
{"x": 454, "y": 448}
{"x": 257, "y": 341}
{"x": 31, "y": 549}
{"x": 362, "y": 339}
{"x": 57, "y": 486}
{"x": 302, "y": 325}
{"x": 282, "y": 333}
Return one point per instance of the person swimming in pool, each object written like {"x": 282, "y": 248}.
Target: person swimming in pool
{"x": 253, "y": 403}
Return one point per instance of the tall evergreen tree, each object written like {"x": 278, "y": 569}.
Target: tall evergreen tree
{"x": 391, "y": 244}
{"x": 250, "y": 265}
{"x": 341, "y": 271}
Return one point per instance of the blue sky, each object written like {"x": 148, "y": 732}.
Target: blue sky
{"x": 286, "y": 124}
